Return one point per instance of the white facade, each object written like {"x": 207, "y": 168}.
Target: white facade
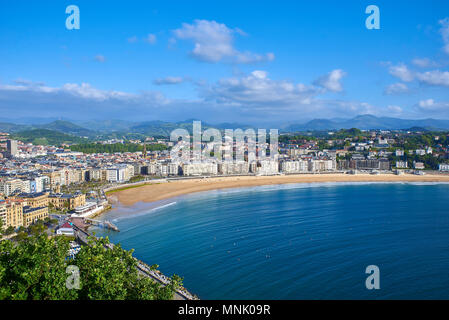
{"x": 420, "y": 152}
{"x": 266, "y": 167}
{"x": 322, "y": 165}
{"x": 299, "y": 166}
{"x": 8, "y": 187}
{"x": 199, "y": 168}
{"x": 399, "y": 153}
{"x": 233, "y": 167}
{"x": 401, "y": 164}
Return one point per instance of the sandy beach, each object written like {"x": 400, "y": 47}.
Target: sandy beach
{"x": 160, "y": 191}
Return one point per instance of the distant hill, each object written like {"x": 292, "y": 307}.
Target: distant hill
{"x": 107, "y": 129}
{"x": 366, "y": 122}
{"x": 69, "y": 128}
{"x": 47, "y": 137}
{"x": 11, "y": 127}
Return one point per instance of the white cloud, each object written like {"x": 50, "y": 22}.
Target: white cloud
{"x": 150, "y": 38}
{"x": 100, "y": 58}
{"x": 213, "y": 42}
{"x": 445, "y": 33}
{"x": 168, "y": 80}
{"x": 434, "y": 78}
{"x": 426, "y": 103}
{"x": 424, "y": 62}
{"x": 83, "y": 90}
{"x": 257, "y": 90}
{"x": 431, "y": 106}
{"x": 402, "y": 72}
{"x": 331, "y": 81}
{"x": 396, "y": 88}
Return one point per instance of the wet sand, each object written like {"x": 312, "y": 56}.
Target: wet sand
{"x": 173, "y": 188}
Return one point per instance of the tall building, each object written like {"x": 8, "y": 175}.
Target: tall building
{"x": 11, "y": 146}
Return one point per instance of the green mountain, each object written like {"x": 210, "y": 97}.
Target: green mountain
{"x": 69, "y": 128}
{"x": 12, "y": 127}
{"x": 367, "y": 122}
{"x": 47, "y": 137}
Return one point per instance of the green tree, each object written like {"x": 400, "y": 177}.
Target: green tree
{"x": 34, "y": 267}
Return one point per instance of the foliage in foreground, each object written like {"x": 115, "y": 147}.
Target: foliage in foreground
{"x": 34, "y": 267}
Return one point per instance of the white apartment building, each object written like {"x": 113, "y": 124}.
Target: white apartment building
{"x": 42, "y": 182}
{"x": 233, "y": 167}
{"x": 3, "y": 212}
{"x": 443, "y": 167}
{"x": 298, "y": 166}
{"x": 266, "y": 167}
{"x": 199, "y": 168}
{"x": 322, "y": 165}
{"x": 95, "y": 174}
{"x": 173, "y": 169}
{"x": 401, "y": 164}
{"x": 120, "y": 173}
{"x": 399, "y": 153}
{"x": 9, "y": 186}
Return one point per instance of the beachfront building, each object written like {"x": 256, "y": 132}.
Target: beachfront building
{"x": 443, "y": 167}
{"x": 401, "y": 164}
{"x": 199, "y": 168}
{"x": 31, "y": 215}
{"x": 320, "y": 165}
{"x": 14, "y": 214}
{"x": 267, "y": 167}
{"x": 88, "y": 209}
{"x": 67, "y": 201}
{"x": 296, "y": 166}
{"x": 233, "y": 167}
{"x": 120, "y": 173}
{"x": 34, "y": 200}
{"x": 418, "y": 165}
{"x": 364, "y": 164}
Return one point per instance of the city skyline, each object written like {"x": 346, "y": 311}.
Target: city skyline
{"x": 215, "y": 62}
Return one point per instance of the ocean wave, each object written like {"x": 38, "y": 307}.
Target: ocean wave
{"x": 144, "y": 212}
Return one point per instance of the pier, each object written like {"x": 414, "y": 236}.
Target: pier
{"x": 104, "y": 224}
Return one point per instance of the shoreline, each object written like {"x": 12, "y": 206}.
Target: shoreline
{"x": 152, "y": 192}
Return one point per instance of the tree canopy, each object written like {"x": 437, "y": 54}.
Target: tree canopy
{"x": 35, "y": 267}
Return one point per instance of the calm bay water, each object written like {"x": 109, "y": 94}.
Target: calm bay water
{"x": 309, "y": 241}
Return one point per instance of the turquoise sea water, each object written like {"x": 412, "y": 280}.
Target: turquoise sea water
{"x": 308, "y": 241}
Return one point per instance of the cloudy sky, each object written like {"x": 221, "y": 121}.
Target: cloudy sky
{"x": 264, "y": 62}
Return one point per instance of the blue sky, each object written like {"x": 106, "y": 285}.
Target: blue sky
{"x": 264, "y": 62}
